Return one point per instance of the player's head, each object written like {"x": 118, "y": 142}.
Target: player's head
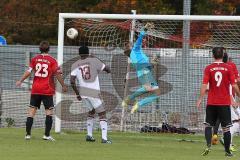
{"x": 218, "y": 52}
{"x": 127, "y": 50}
{"x": 225, "y": 57}
{"x": 44, "y": 47}
{"x": 83, "y": 51}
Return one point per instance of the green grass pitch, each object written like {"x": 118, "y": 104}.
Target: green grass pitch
{"x": 126, "y": 146}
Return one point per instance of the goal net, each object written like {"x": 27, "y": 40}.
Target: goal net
{"x": 178, "y": 53}
{"x": 179, "y": 50}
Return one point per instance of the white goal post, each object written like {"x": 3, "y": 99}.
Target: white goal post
{"x": 61, "y": 32}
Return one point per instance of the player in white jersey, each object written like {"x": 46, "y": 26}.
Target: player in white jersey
{"x": 235, "y": 115}
{"x": 86, "y": 71}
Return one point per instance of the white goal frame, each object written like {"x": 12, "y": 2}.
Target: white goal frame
{"x": 63, "y": 16}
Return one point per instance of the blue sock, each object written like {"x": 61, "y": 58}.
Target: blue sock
{"x": 138, "y": 92}
{"x": 147, "y": 100}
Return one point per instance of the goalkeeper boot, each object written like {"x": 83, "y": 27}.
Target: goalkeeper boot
{"x": 48, "y": 138}
{"x": 232, "y": 149}
{"x": 90, "y": 138}
{"x": 125, "y": 102}
{"x": 228, "y": 154}
{"x": 106, "y": 141}
{"x": 206, "y": 151}
{"x": 135, "y": 108}
{"x": 28, "y": 137}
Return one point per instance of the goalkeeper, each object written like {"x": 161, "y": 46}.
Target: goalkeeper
{"x": 143, "y": 67}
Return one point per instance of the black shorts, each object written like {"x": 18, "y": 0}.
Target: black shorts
{"x": 36, "y": 100}
{"x": 222, "y": 112}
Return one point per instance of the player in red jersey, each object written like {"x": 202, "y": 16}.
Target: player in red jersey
{"x": 235, "y": 111}
{"x": 219, "y": 76}
{"x": 45, "y": 67}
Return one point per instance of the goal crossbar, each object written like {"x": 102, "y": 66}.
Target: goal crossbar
{"x": 150, "y": 17}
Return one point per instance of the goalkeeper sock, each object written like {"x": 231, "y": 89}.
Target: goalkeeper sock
{"x": 29, "y": 123}
{"x": 147, "y": 100}
{"x": 103, "y": 124}
{"x": 208, "y": 135}
{"x": 48, "y": 125}
{"x": 227, "y": 140}
{"x": 138, "y": 92}
{"x": 90, "y": 126}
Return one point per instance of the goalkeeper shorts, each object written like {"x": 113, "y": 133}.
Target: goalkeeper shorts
{"x": 145, "y": 76}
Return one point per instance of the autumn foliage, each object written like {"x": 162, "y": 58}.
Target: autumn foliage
{"x": 29, "y": 22}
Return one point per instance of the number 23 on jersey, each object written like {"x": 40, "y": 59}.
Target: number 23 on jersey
{"x": 41, "y": 70}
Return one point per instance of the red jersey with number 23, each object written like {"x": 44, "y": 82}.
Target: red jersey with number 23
{"x": 44, "y": 67}
{"x": 219, "y": 75}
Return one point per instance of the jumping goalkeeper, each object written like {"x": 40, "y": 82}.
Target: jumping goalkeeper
{"x": 144, "y": 73}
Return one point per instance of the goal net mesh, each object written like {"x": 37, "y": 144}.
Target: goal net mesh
{"x": 179, "y": 72}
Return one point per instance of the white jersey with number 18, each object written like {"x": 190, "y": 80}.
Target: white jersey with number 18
{"x": 86, "y": 71}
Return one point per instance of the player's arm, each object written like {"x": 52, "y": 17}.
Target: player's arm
{"x": 24, "y": 76}
{"x": 73, "y": 81}
{"x": 203, "y": 92}
{"x": 61, "y": 81}
{"x": 236, "y": 89}
{"x": 204, "y": 88}
{"x": 58, "y": 73}
{"x": 74, "y": 87}
{"x": 107, "y": 69}
{"x": 138, "y": 43}
{"x": 103, "y": 67}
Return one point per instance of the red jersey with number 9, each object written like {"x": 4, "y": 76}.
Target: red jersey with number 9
{"x": 44, "y": 67}
{"x": 219, "y": 75}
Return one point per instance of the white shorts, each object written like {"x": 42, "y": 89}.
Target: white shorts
{"x": 235, "y": 128}
{"x": 235, "y": 113}
{"x": 93, "y": 103}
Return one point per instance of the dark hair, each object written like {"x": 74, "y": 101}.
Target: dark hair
{"x": 225, "y": 57}
{"x": 83, "y": 50}
{"x": 218, "y": 52}
{"x": 127, "y": 52}
{"x": 44, "y": 47}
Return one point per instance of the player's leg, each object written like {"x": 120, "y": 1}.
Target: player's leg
{"x": 142, "y": 78}
{"x": 216, "y": 127}
{"x": 155, "y": 95}
{"x": 49, "y": 106}
{"x": 131, "y": 97}
{"x": 210, "y": 121}
{"x": 90, "y": 120}
{"x": 226, "y": 123}
{"x": 150, "y": 85}
{"x": 100, "y": 110}
{"x": 104, "y": 126}
{"x": 35, "y": 102}
{"x": 215, "y": 132}
{"x": 143, "y": 102}
{"x": 235, "y": 115}
{"x": 233, "y": 130}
